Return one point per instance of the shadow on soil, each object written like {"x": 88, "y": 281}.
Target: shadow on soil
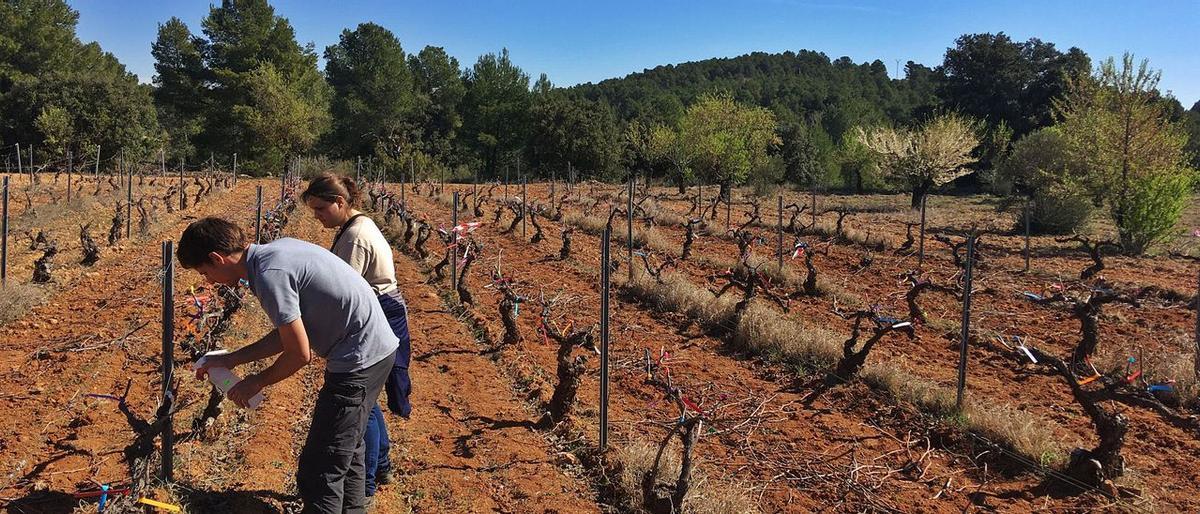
{"x": 196, "y": 501}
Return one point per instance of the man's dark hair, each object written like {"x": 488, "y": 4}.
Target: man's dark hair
{"x": 208, "y": 235}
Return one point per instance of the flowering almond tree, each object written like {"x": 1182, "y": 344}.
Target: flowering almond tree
{"x": 925, "y": 157}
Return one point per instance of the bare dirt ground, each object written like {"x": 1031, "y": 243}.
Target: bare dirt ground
{"x": 1158, "y": 447}
{"x": 474, "y": 443}
{"x": 468, "y": 448}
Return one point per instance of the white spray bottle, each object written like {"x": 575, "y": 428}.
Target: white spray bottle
{"x": 224, "y": 379}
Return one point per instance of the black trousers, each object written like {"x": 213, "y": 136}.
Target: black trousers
{"x": 331, "y": 474}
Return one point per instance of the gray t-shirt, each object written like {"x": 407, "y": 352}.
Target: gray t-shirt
{"x": 345, "y": 323}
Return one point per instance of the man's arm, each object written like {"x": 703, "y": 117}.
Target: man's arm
{"x": 294, "y": 354}
{"x": 265, "y": 347}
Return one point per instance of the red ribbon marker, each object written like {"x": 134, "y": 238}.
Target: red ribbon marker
{"x": 98, "y": 492}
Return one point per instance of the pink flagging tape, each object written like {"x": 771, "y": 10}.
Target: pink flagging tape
{"x": 467, "y": 227}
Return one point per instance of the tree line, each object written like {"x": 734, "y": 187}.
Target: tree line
{"x": 241, "y": 83}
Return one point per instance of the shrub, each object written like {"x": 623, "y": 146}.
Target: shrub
{"x": 1037, "y": 160}
{"x": 1154, "y": 205}
{"x": 1058, "y": 209}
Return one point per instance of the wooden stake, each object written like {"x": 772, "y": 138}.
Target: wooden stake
{"x": 454, "y": 244}
{"x": 128, "y": 200}
{"x": 814, "y": 206}
{"x": 779, "y": 231}
{"x": 629, "y": 229}
{"x": 70, "y": 168}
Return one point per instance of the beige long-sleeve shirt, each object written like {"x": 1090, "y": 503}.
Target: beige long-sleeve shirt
{"x": 365, "y": 249}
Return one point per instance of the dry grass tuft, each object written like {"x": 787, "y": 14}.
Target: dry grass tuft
{"x": 16, "y": 299}
{"x": 1002, "y": 424}
{"x": 765, "y": 332}
{"x": 785, "y": 275}
{"x": 677, "y": 294}
{"x": 706, "y": 495}
{"x": 445, "y": 200}
{"x": 663, "y": 215}
{"x": 1174, "y": 363}
{"x": 651, "y": 239}
{"x": 643, "y": 237}
{"x": 590, "y": 224}
{"x": 828, "y": 229}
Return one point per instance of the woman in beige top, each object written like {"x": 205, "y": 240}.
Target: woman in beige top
{"x": 360, "y": 243}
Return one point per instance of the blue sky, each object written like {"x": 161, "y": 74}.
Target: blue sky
{"x": 587, "y": 41}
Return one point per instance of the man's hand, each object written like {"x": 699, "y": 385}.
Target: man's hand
{"x": 265, "y": 347}
{"x": 294, "y": 354}
{"x": 241, "y": 393}
{"x": 214, "y": 361}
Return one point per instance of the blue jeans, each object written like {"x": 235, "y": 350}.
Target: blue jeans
{"x": 377, "y": 447}
{"x": 398, "y": 387}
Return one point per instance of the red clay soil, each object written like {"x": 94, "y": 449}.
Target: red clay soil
{"x": 91, "y": 337}
{"x": 61, "y": 222}
{"x": 1159, "y": 453}
{"x": 48, "y": 191}
{"x": 794, "y": 458}
{"x": 471, "y": 445}
{"x": 468, "y": 448}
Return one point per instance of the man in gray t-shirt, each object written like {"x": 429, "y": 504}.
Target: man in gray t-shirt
{"x": 318, "y": 304}
{"x": 296, "y": 279}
